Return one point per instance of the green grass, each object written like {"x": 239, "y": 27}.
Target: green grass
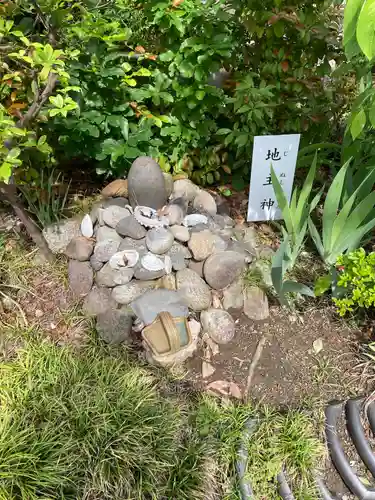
{"x": 94, "y": 424}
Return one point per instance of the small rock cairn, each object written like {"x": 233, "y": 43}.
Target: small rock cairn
{"x": 150, "y": 233}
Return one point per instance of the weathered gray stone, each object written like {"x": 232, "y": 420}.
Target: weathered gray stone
{"x": 177, "y": 248}
{"x": 168, "y": 182}
{"x": 159, "y": 240}
{"x": 196, "y": 266}
{"x": 174, "y": 213}
{"x": 222, "y": 268}
{"x": 255, "y": 303}
{"x": 204, "y": 243}
{"x": 107, "y": 233}
{"x": 129, "y": 226}
{"x": 113, "y": 214}
{"x": 58, "y": 236}
{"x": 169, "y": 282}
{"x": 81, "y": 277}
{"x": 114, "y": 326}
{"x": 204, "y": 202}
{"x": 195, "y": 291}
{"x": 181, "y": 233}
{"x": 125, "y": 294}
{"x": 105, "y": 249}
{"x": 115, "y": 202}
{"x": 98, "y": 300}
{"x": 219, "y": 325}
{"x": 95, "y": 263}
{"x": 184, "y": 188}
{"x": 178, "y": 261}
{"x": 130, "y": 244}
{"x": 113, "y": 277}
{"x": 233, "y": 296}
{"x": 146, "y": 184}
{"x": 242, "y": 248}
{"x": 198, "y": 228}
{"x": 79, "y": 248}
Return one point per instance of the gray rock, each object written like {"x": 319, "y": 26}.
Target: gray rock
{"x": 81, "y": 277}
{"x": 184, "y": 188}
{"x": 107, "y": 233}
{"x": 177, "y": 248}
{"x": 225, "y": 234}
{"x": 79, "y": 248}
{"x": 233, "y": 296}
{"x": 180, "y": 233}
{"x": 130, "y": 244}
{"x": 58, "y": 236}
{"x": 94, "y": 214}
{"x": 98, "y": 301}
{"x": 105, "y": 249}
{"x": 178, "y": 261}
{"x": 196, "y": 292}
{"x": 255, "y": 303}
{"x": 153, "y": 302}
{"x": 146, "y": 184}
{"x": 159, "y": 240}
{"x": 113, "y": 277}
{"x": 115, "y": 202}
{"x": 95, "y": 263}
{"x": 125, "y": 294}
{"x": 197, "y": 266}
{"x": 222, "y": 204}
{"x": 174, "y": 213}
{"x": 204, "y": 202}
{"x": 198, "y": 228}
{"x": 144, "y": 274}
{"x": 113, "y": 214}
{"x": 114, "y": 326}
{"x": 100, "y": 213}
{"x": 202, "y": 244}
{"x": 168, "y": 182}
{"x": 242, "y": 248}
{"x": 222, "y": 268}
{"x": 129, "y": 226}
{"x": 219, "y": 325}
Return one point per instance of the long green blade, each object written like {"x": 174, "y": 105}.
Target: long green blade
{"x": 316, "y": 238}
{"x": 316, "y": 199}
{"x": 294, "y": 287}
{"x": 331, "y": 205}
{"x": 277, "y": 271}
{"x": 351, "y": 242}
{"x": 283, "y": 203}
{"x": 304, "y": 195}
{"x": 360, "y": 213}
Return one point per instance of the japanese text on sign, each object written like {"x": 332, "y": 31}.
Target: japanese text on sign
{"x": 280, "y": 151}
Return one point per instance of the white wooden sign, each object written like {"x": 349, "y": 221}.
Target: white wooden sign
{"x": 280, "y": 151}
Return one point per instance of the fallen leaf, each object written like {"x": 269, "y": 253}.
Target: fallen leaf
{"x": 318, "y": 345}
{"x": 221, "y": 386}
{"x": 140, "y": 49}
{"x": 153, "y": 57}
{"x": 284, "y": 66}
{"x": 207, "y": 369}
{"x": 176, "y": 3}
{"x": 235, "y": 391}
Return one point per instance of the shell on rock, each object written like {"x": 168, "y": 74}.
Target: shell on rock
{"x": 152, "y": 263}
{"x": 149, "y": 217}
{"x": 87, "y": 228}
{"x": 194, "y": 220}
{"x": 125, "y": 258}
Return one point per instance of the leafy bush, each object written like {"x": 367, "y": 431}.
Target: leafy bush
{"x": 190, "y": 83}
{"x": 356, "y": 277}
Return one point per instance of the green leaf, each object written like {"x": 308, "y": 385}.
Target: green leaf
{"x": 223, "y": 131}
{"x": 358, "y": 123}
{"x": 166, "y": 56}
{"x": 13, "y": 153}
{"x": 186, "y": 69}
{"x": 372, "y": 115}
{"x": 132, "y": 82}
{"x": 352, "y": 10}
{"x": 322, "y": 285}
{"x": 278, "y": 28}
{"x": 316, "y": 238}
{"x": 199, "y": 94}
{"x": 366, "y": 29}
{"x": 124, "y": 126}
{"x": 283, "y": 204}
{"x": 5, "y": 171}
{"x": 331, "y": 204}
{"x": 302, "y": 206}
{"x": 42, "y": 140}
{"x": 294, "y": 287}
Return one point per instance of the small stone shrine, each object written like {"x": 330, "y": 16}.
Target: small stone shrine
{"x": 172, "y": 243}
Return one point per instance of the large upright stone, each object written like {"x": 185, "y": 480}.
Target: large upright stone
{"x": 146, "y": 184}
{"x": 222, "y": 268}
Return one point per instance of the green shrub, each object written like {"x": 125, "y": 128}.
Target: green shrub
{"x": 356, "y": 276}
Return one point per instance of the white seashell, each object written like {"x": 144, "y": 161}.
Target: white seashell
{"x": 87, "y": 228}
{"x": 194, "y": 220}
{"x": 148, "y": 217}
{"x": 126, "y": 258}
{"x": 152, "y": 263}
{"x": 168, "y": 264}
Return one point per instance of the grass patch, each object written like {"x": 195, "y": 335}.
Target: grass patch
{"x": 252, "y": 277}
{"x": 93, "y": 424}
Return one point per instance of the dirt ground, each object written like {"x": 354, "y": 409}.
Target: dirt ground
{"x": 291, "y": 373}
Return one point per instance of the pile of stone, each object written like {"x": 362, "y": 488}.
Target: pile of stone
{"x": 150, "y": 233}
